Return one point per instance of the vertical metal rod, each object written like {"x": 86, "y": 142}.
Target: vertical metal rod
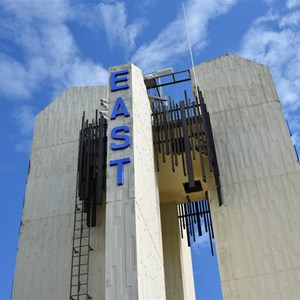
{"x": 203, "y": 210}
{"x": 166, "y": 128}
{"x": 190, "y": 216}
{"x": 187, "y": 224}
{"x": 155, "y": 140}
{"x": 157, "y": 129}
{"x": 163, "y": 141}
{"x": 182, "y": 215}
{"x": 99, "y": 184}
{"x": 201, "y": 123}
{"x": 187, "y": 149}
{"x": 204, "y": 118}
{"x": 190, "y": 124}
{"x": 180, "y": 221}
{"x": 86, "y": 159}
{"x": 88, "y": 171}
{"x": 198, "y": 218}
{"x": 198, "y": 133}
{"x": 80, "y": 154}
{"x": 173, "y": 133}
{"x": 181, "y": 146}
{"x": 177, "y": 138}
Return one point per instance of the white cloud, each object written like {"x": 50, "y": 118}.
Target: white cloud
{"x": 171, "y": 43}
{"x": 292, "y": 19}
{"x": 24, "y": 116}
{"x": 14, "y": 78}
{"x": 41, "y": 52}
{"x": 118, "y": 32}
{"x": 48, "y": 52}
{"x": 292, "y": 3}
{"x": 275, "y": 42}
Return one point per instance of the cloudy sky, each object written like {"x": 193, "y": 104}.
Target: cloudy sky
{"x": 47, "y": 46}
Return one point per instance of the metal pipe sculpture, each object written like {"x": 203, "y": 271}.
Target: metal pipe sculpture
{"x": 92, "y": 164}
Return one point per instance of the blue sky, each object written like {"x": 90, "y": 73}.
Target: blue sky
{"x": 47, "y": 46}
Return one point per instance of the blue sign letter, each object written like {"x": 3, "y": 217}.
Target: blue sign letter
{"x": 117, "y": 77}
{"x": 120, "y": 162}
{"x": 119, "y": 109}
{"x": 123, "y": 137}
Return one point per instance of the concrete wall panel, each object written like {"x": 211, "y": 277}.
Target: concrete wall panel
{"x": 43, "y": 265}
{"x": 256, "y": 228}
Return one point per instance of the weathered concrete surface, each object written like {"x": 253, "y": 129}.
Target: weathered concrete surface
{"x": 134, "y": 254}
{"x": 43, "y": 266}
{"x": 177, "y": 256}
{"x": 257, "y": 228}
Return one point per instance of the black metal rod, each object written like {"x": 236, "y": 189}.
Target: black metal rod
{"x": 177, "y": 138}
{"x": 187, "y": 224}
{"x": 198, "y": 133}
{"x": 167, "y": 83}
{"x": 157, "y": 129}
{"x": 190, "y": 123}
{"x": 162, "y": 133}
{"x": 198, "y": 218}
{"x": 203, "y": 212}
{"x": 180, "y": 221}
{"x": 181, "y": 145}
{"x": 173, "y": 139}
{"x": 166, "y": 128}
{"x": 187, "y": 149}
{"x": 155, "y": 140}
{"x": 99, "y": 185}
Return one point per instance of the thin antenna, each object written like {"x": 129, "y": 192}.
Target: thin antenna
{"x": 189, "y": 41}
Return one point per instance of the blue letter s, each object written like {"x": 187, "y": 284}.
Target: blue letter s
{"x": 122, "y": 137}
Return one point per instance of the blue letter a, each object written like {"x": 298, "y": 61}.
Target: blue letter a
{"x": 119, "y": 109}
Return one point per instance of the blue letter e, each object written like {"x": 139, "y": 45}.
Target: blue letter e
{"x": 117, "y": 77}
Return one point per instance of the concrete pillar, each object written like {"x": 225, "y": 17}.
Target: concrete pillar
{"x": 257, "y": 228}
{"x": 177, "y": 256}
{"x": 134, "y": 255}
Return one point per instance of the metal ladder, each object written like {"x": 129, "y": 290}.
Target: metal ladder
{"x": 80, "y": 253}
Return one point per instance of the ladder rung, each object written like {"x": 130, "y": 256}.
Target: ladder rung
{"x": 85, "y": 294}
{"x": 82, "y": 241}
{"x": 80, "y": 246}
{"x": 81, "y": 284}
{"x": 76, "y": 285}
{"x": 80, "y": 265}
{"x": 81, "y": 255}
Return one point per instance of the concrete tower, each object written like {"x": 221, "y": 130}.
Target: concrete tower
{"x": 257, "y": 227}
{"x": 101, "y": 218}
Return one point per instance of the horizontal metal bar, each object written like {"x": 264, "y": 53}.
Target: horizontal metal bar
{"x": 80, "y": 265}
{"x": 74, "y": 256}
{"x": 168, "y": 83}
